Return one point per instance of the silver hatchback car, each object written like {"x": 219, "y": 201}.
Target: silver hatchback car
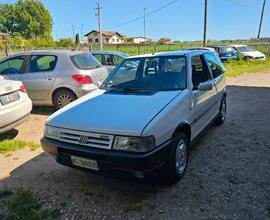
{"x": 54, "y": 77}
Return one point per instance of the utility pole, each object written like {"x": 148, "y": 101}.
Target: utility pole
{"x": 73, "y": 32}
{"x": 144, "y": 29}
{"x": 260, "y": 25}
{"x": 99, "y": 26}
{"x": 205, "y": 23}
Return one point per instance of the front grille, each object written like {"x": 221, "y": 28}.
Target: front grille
{"x": 86, "y": 138}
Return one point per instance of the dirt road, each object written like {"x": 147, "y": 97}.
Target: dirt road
{"x": 228, "y": 175}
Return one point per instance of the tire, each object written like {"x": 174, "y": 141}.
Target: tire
{"x": 222, "y": 112}
{"x": 178, "y": 158}
{"x": 63, "y": 97}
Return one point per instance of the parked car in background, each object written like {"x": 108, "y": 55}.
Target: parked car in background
{"x": 203, "y": 48}
{"x": 54, "y": 77}
{"x": 110, "y": 59}
{"x": 143, "y": 118}
{"x": 249, "y": 52}
{"x": 15, "y": 104}
{"x": 225, "y": 52}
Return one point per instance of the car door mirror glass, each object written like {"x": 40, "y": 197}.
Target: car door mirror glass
{"x": 206, "y": 86}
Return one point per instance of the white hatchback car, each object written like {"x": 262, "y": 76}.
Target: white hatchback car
{"x": 249, "y": 52}
{"x": 143, "y": 118}
{"x": 15, "y": 104}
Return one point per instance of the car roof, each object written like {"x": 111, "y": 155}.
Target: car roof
{"x": 221, "y": 46}
{"x": 173, "y": 53}
{"x": 238, "y": 45}
{"x": 110, "y": 52}
{"x": 44, "y": 52}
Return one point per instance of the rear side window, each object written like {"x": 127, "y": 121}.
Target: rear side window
{"x": 98, "y": 57}
{"x": 85, "y": 61}
{"x": 214, "y": 64}
{"x": 42, "y": 63}
{"x": 117, "y": 59}
{"x": 12, "y": 66}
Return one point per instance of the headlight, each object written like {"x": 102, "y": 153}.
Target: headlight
{"x": 134, "y": 144}
{"x": 51, "y": 132}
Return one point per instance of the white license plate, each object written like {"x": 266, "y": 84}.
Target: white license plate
{"x": 85, "y": 163}
{"x": 9, "y": 98}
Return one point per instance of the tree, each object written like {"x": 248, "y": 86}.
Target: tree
{"x": 30, "y": 18}
{"x": 64, "y": 42}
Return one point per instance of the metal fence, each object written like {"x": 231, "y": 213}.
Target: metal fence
{"x": 132, "y": 49}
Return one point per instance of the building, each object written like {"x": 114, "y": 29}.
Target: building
{"x": 108, "y": 37}
{"x": 164, "y": 40}
{"x": 139, "y": 40}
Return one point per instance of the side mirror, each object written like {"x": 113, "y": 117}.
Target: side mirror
{"x": 206, "y": 86}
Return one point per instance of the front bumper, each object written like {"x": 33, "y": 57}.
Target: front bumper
{"x": 111, "y": 163}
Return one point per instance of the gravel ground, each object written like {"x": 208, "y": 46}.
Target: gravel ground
{"x": 228, "y": 175}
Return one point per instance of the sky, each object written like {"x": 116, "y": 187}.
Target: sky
{"x": 183, "y": 20}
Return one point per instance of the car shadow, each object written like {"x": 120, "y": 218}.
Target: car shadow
{"x": 43, "y": 110}
{"x": 217, "y": 163}
{"x": 9, "y": 135}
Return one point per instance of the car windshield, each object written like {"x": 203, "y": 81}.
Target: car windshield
{"x": 227, "y": 49}
{"x": 85, "y": 61}
{"x": 245, "y": 49}
{"x": 148, "y": 74}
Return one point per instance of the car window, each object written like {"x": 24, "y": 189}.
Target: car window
{"x": 214, "y": 64}
{"x": 85, "y": 61}
{"x": 98, "y": 57}
{"x": 200, "y": 72}
{"x": 42, "y": 63}
{"x": 12, "y": 66}
{"x": 163, "y": 73}
{"x": 126, "y": 73}
{"x": 117, "y": 59}
{"x": 109, "y": 60}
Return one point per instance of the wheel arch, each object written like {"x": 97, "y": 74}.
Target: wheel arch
{"x": 62, "y": 88}
{"x": 185, "y": 128}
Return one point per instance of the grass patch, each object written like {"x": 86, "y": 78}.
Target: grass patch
{"x": 8, "y": 146}
{"x": 24, "y": 206}
{"x": 236, "y": 68}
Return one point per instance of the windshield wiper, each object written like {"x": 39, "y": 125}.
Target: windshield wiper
{"x": 110, "y": 84}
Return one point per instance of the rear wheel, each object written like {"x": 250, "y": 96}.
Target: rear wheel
{"x": 222, "y": 112}
{"x": 63, "y": 97}
{"x": 178, "y": 158}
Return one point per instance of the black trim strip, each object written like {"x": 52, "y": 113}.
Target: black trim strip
{"x": 196, "y": 119}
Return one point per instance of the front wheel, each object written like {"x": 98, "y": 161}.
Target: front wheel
{"x": 222, "y": 112}
{"x": 178, "y": 158}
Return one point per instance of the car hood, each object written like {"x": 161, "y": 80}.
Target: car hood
{"x": 122, "y": 114}
{"x": 253, "y": 54}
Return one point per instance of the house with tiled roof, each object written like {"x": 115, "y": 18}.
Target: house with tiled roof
{"x": 108, "y": 37}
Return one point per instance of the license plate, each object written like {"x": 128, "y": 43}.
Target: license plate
{"x": 6, "y": 99}
{"x": 85, "y": 163}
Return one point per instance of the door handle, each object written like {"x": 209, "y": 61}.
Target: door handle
{"x": 49, "y": 78}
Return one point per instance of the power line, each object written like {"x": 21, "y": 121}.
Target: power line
{"x": 142, "y": 17}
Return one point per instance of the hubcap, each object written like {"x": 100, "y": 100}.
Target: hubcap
{"x": 181, "y": 156}
{"x": 223, "y": 110}
{"x": 63, "y": 100}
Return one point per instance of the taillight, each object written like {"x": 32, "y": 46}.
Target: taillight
{"x": 22, "y": 89}
{"x": 82, "y": 79}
